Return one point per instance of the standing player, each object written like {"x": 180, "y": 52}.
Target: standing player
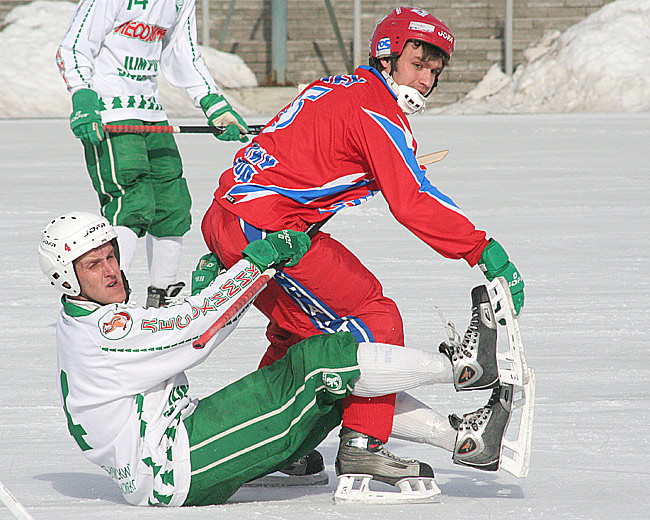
{"x": 110, "y": 59}
{"x": 341, "y": 141}
{"x": 125, "y": 393}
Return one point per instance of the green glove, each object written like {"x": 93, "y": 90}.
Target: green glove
{"x": 494, "y": 262}
{"x": 208, "y": 268}
{"x": 85, "y": 120}
{"x": 280, "y": 246}
{"x": 220, "y": 113}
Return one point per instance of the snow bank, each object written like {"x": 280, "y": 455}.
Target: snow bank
{"x": 601, "y": 64}
{"x": 30, "y": 84}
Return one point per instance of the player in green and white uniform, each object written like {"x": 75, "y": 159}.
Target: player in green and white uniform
{"x": 125, "y": 393}
{"x": 110, "y": 58}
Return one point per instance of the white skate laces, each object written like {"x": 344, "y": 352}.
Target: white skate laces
{"x": 474, "y": 359}
{"x": 480, "y": 433}
{"x": 511, "y": 372}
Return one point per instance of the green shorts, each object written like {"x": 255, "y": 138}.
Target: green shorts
{"x": 270, "y": 417}
{"x": 139, "y": 181}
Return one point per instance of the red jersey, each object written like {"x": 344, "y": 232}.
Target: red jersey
{"x": 340, "y": 142}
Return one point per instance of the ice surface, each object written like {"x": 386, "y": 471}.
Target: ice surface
{"x": 568, "y": 197}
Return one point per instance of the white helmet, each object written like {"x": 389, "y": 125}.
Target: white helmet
{"x": 65, "y": 239}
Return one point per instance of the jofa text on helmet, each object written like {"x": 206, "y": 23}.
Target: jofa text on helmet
{"x": 94, "y": 228}
{"x": 446, "y": 36}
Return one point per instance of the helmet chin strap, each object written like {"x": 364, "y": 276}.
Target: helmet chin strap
{"x": 409, "y": 99}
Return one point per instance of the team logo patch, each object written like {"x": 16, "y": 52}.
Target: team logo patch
{"x": 468, "y": 446}
{"x": 115, "y": 325}
{"x": 332, "y": 381}
{"x": 383, "y": 45}
{"x": 467, "y": 374}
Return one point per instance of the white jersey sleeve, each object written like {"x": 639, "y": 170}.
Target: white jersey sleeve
{"x": 123, "y": 387}
{"x": 83, "y": 40}
{"x": 119, "y": 47}
{"x": 181, "y": 60}
{"x": 147, "y": 345}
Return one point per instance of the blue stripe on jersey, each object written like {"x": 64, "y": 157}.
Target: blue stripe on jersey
{"x": 402, "y": 143}
{"x": 249, "y": 191}
{"x": 321, "y": 315}
{"x": 251, "y": 232}
{"x": 381, "y": 78}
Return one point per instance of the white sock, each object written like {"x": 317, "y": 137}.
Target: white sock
{"x": 386, "y": 369}
{"x": 127, "y": 241}
{"x": 414, "y": 421}
{"x": 164, "y": 259}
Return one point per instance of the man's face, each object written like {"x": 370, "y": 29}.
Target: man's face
{"x": 413, "y": 71}
{"x": 99, "y": 276}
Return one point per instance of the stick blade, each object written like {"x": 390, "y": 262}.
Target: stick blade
{"x": 431, "y": 158}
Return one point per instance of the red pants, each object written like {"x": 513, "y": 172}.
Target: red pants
{"x": 329, "y": 290}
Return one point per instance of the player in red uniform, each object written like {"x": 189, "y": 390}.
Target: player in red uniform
{"x": 341, "y": 141}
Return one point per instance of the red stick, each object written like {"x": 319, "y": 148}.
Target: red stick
{"x": 250, "y": 292}
{"x": 157, "y": 129}
{"x": 246, "y": 297}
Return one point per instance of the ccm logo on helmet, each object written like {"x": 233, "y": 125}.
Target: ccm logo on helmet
{"x": 383, "y": 45}
{"x": 446, "y": 36}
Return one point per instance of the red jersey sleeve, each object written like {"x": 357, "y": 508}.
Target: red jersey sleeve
{"x": 387, "y": 144}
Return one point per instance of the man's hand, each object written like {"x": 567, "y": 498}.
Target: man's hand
{"x": 494, "y": 262}
{"x": 280, "y": 246}
{"x": 85, "y": 120}
{"x": 208, "y": 268}
{"x": 220, "y": 113}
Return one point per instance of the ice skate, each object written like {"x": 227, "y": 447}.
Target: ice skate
{"x": 160, "y": 297}
{"x": 362, "y": 459}
{"x": 308, "y": 470}
{"x": 474, "y": 359}
{"x": 480, "y": 433}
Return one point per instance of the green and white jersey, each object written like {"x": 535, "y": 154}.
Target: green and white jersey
{"x": 118, "y": 48}
{"x": 123, "y": 386}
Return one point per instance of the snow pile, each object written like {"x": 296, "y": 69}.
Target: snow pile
{"x": 601, "y": 64}
{"x": 30, "y": 84}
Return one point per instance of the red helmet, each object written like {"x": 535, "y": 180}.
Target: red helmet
{"x": 409, "y": 23}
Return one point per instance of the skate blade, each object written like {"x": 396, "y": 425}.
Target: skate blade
{"x": 280, "y": 480}
{"x": 513, "y": 368}
{"x": 515, "y": 453}
{"x": 354, "y": 488}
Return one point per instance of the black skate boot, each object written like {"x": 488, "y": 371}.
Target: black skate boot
{"x": 362, "y": 454}
{"x": 308, "y": 470}
{"x": 160, "y": 297}
{"x": 474, "y": 359}
{"x": 480, "y": 433}
{"x": 309, "y": 464}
